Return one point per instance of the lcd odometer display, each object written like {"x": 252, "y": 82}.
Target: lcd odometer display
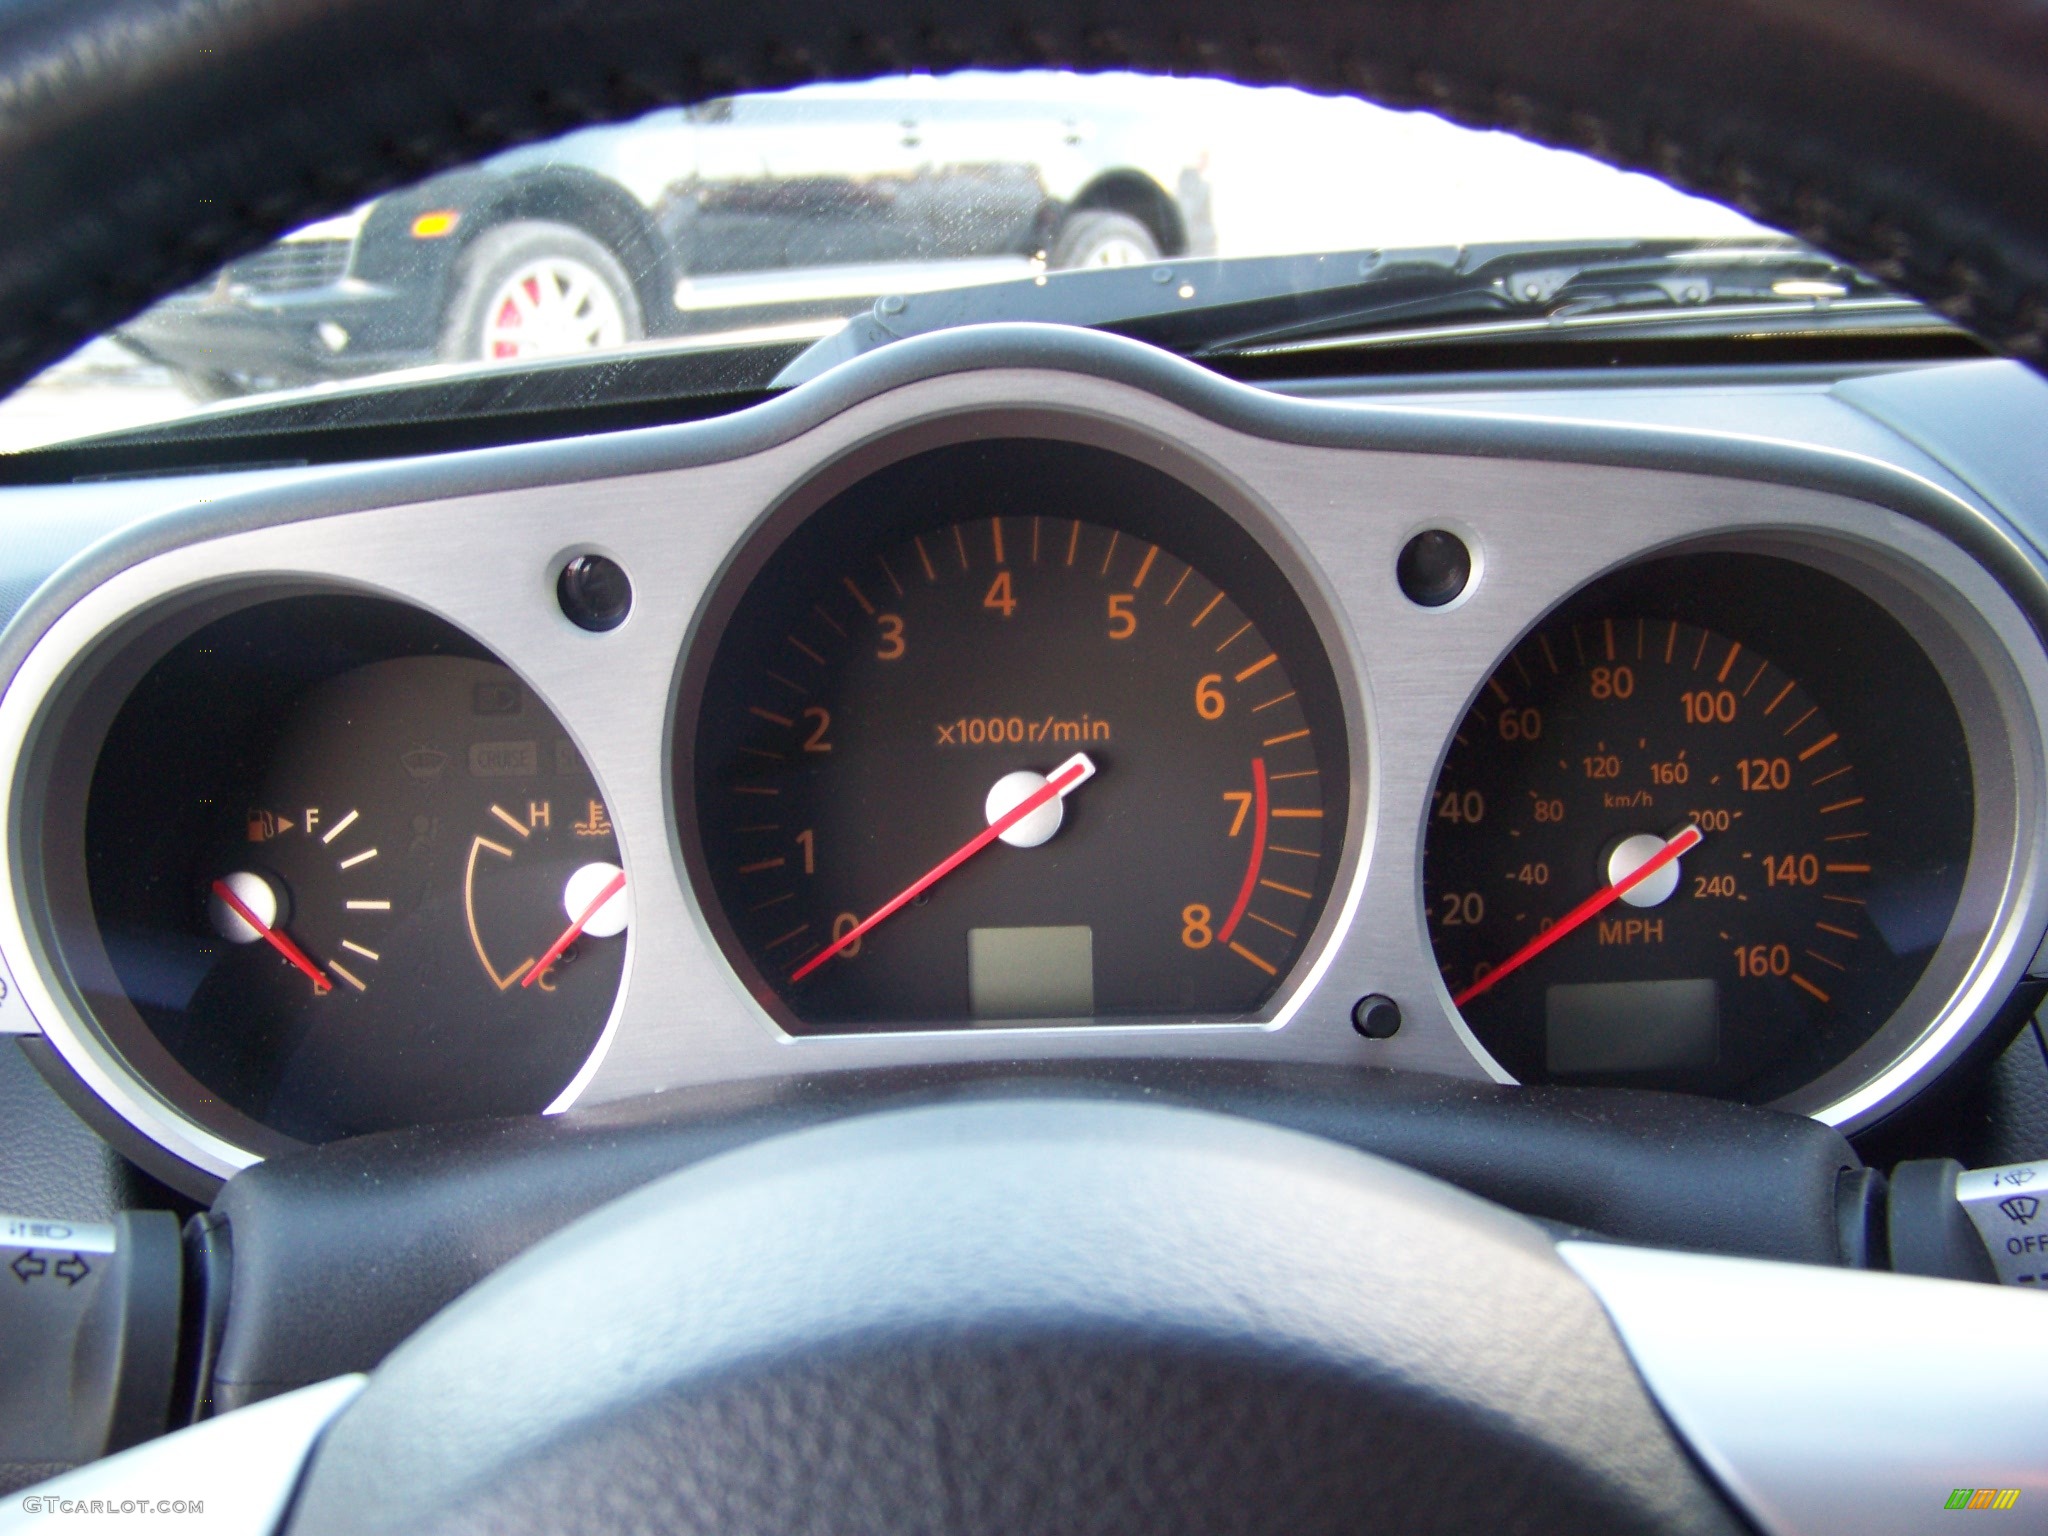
{"x": 1704, "y": 829}
{"x": 1018, "y": 732}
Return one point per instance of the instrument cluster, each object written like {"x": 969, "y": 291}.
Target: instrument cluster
{"x": 328, "y": 845}
{"x": 958, "y": 725}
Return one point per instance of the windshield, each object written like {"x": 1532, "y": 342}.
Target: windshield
{"x": 744, "y": 230}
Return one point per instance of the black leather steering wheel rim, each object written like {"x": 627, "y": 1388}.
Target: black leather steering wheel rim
{"x": 1022, "y": 1317}
{"x": 147, "y": 142}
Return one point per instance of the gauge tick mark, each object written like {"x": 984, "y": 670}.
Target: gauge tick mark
{"x": 1243, "y": 953}
{"x": 1234, "y": 634}
{"x": 1257, "y": 667}
{"x": 1820, "y": 746}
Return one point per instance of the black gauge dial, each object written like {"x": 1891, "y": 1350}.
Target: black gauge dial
{"x": 1801, "y": 878}
{"x": 332, "y": 902}
{"x": 1047, "y": 618}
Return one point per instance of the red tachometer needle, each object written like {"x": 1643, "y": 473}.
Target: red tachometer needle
{"x": 1599, "y": 901}
{"x": 1064, "y": 778}
{"x": 612, "y": 887}
{"x": 272, "y": 937}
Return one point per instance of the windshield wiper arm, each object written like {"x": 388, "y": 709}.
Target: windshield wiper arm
{"x": 1220, "y": 306}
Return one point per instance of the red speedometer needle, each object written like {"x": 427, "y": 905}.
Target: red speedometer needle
{"x": 1064, "y": 778}
{"x": 272, "y": 937}
{"x": 1598, "y": 902}
{"x": 612, "y": 887}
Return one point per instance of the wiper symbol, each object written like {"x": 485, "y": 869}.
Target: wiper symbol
{"x": 2020, "y": 1208}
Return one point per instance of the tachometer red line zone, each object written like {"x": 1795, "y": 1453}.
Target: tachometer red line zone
{"x": 1251, "y": 868}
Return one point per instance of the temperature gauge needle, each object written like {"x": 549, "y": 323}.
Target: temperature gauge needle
{"x": 1069, "y": 774}
{"x": 272, "y": 937}
{"x": 612, "y": 887}
{"x": 1598, "y": 902}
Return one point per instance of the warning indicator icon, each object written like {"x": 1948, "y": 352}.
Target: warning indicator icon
{"x": 264, "y": 825}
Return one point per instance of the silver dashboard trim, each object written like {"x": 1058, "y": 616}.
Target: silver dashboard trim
{"x": 15, "y": 1019}
{"x": 1217, "y": 485}
{"x": 1348, "y": 482}
{"x": 1827, "y": 1400}
{"x": 238, "y": 1472}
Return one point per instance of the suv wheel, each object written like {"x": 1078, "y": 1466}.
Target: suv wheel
{"x": 1096, "y": 237}
{"x": 534, "y": 289}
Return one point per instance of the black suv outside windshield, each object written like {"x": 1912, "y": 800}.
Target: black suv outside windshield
{"x": 695, "y": 259}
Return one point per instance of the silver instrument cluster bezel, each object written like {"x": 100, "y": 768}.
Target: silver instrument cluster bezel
{"x": 779, "y": 521}
{"x": 1331, "y": 491}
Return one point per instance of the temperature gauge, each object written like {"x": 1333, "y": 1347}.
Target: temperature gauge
{"x": 524, "y": 878}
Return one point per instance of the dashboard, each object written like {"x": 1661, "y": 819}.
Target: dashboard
{"x": 1018, "y": 694}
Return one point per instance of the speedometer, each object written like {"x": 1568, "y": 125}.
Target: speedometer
{"x": 1703, "y": 829}
{"x": 1019, "y": 731}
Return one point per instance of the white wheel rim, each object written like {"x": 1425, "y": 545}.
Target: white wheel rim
{"x": 551, "y": 307}
{"x": 1117, "y": 251}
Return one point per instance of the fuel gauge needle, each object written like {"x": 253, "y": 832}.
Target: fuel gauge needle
{"x": 1583, "y": 913}
{"x": 272, "y": 937}
{"x": 612, "y": 887}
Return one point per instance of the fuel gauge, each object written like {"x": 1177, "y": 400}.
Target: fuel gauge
{"x": 283, "y": 883}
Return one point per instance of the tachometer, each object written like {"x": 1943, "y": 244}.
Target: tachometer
{"x": 1019, "y": 731}
{"x": 1712, "y": 855}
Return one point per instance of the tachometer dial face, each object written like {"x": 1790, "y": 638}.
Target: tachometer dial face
{"x": 1657, "y": 854}
{"x": 349, "y": 905}
{"x": 1076, "y": 755}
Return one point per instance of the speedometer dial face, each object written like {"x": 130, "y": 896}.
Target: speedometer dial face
{"x": 1019, "y": 732}
{"x": 1708, "y": 855}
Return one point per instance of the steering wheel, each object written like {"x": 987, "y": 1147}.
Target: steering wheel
{"x": 1061, "y": 1314}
